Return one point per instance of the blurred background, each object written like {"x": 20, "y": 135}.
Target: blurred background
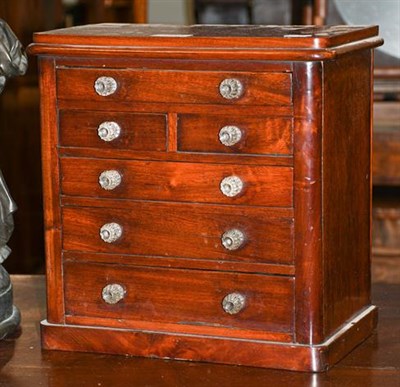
{"x": 19, "y": 104}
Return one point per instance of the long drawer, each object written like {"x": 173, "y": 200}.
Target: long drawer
{"x": 184, "y": 297}
{"x": 181, "y": 230}
{"x": 171, "y": 86}
{"x": 177, "y": 181}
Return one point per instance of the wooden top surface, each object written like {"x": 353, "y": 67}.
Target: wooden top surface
{"x": 376, "y": 362}
{"x": 310, "y": 36}
{"x": 312, "y": 41}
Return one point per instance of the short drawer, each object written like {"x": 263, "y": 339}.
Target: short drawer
{"x": 171, "y": 86}
{"x": 177, "y": 181}
{"x": 180, "y": 230}
{"x": 235, "y": 134}
{"x": 174, "y": 296}
{"x": 112, "y": 130}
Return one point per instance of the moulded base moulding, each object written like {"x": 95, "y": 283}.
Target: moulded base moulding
{"x": 257, "y": 353}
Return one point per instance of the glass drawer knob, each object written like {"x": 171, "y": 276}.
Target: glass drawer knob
{"x": 230, "y": 135}
{"x": 231, "y": 88}
{"x": 105, "y": 86}
{"x": 113, "y": 293}
{"x": 232, "y": 239}
{"x": 108, "y": 131}
{"x": 110, "y": 180}
{"x": 110, "y": 232}
{"x": 231, "y": 186}
{"x": 233, "y": 303}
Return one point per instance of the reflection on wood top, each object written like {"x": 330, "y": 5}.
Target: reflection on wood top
{"x": 314, "y": 41}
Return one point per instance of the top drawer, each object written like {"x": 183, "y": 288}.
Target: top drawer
{"x": 168, "y": 86}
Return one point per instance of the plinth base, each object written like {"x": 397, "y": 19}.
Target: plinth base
{"x": 169, "y": 345}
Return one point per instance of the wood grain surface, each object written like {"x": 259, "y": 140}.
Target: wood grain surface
{"x": 307, "y": 202}
{"x": 51, "y": 192}
{"x": 347, "y": 238}
{"x": 260, "y": 135}
{"x": 139, "y": 132}
{"x": 23, "y": 363}
{"x": 174, "y": 86}
{"x": 183, "y": 230}
{"x": 304, "y": 210}
{"x": 182, "y": 297}
{"x": 171, "y": 181}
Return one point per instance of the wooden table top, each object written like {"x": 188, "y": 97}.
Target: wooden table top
{"x": 376, "y": 362}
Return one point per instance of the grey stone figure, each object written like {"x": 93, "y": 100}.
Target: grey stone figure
{"x": 13, "y": 62}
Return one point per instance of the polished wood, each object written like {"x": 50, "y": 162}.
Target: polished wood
{"x": 22, "y": 361}
{"x": 307, "y": 202}
{"x": 308, "y": 37}
{"x": 153, "y": 41}
{"x": 225, "y": 349}
{"x": 114, "y": 153}
{"x": 260, "y": 135}
{"x": 174, "y": 86}
{"x": 144, "y": 62}
{"x": 183, "y": 182}
{"x": 189, "y": 108}
{"x": 138, "y": 131}
{"x": 305, "y": 235}
{"x": 172, "y": 145}
{"x": 51, "y": 192}
{"x": 183, "y": 262}
{"x": 198, "y": 235}
{"x": 196, "y": 298}
{"x": 346, "y": 238}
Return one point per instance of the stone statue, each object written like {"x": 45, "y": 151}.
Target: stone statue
{"x": 13, "y": 61}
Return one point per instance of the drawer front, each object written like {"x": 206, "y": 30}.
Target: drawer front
{"x": 181, "y": 230}
{"x": 174, "y": 181}
{"x": 235, "y": 134}
{"x": 112, "y": 130}
{"x": 185, "y": 297}
{"x": 199, "y": 87}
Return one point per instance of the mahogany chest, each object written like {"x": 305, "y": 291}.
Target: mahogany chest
{"x": 207, "y": 191}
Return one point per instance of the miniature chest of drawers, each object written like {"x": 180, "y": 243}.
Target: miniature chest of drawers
{"x": 207, "y": 191}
